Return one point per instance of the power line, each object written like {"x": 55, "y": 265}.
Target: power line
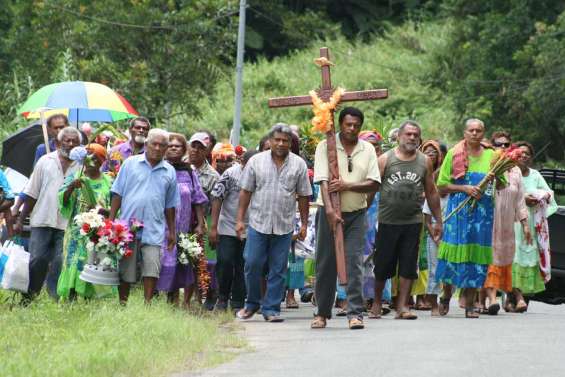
{"x": 135, "y": 26}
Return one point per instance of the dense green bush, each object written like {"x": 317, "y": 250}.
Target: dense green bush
{"x": 401, "y": 61}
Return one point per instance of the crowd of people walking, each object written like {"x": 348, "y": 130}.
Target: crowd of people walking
{"x": 252, "y": 209}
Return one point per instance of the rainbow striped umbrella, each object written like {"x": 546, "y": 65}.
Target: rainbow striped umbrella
{"x": 81, "y": 101}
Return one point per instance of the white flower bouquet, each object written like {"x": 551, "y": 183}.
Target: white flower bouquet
{"x": 189, "y": 249}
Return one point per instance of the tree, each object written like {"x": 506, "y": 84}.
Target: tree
{"x": 488, "y": 71}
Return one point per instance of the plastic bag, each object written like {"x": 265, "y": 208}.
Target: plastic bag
{"x": 16, "y": 270}
{"x": 3, "y": 261}
{"x": 306, "y": 249}
{"x": 4, "y": 254}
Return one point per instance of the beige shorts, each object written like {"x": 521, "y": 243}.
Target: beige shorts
{"x": 150, "y": 263}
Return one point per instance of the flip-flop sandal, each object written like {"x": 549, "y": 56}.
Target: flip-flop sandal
{"x": 444, "y": 306}
{"x": 471, "y": 313}
{"x": 406, "y": 315}
{"x": 356, "y": 324}
{"x": 521, "y": 308}
{"x": 482, "y": 310}
{"x": 246, "y": 314}
{"x": 292, "y": 305}
{"x": 372, "y": 315}
{"x": 341, "y": 313}
{"x": 274, "y": 318}
{"x": 318, "y": 323}
{"x": 423, "y": 307}
{"x": 385, "y": 310}
{"x": 509, "y": 308}
{"x": 493, "y": 309}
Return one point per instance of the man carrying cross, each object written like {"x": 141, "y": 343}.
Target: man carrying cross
{"x": 358, "y": 176}
{"x": 324, "y": 101}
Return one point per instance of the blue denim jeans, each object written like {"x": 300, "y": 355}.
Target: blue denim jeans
{"x": 261, "y": 249}
{"x": 46, "y": 250}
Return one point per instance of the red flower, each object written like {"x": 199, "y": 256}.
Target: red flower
{"x": 515, "y": 154}
{"x": 128, "y": 253}
{"x": 85, "y": 228}
{"x": 239, "y": 150}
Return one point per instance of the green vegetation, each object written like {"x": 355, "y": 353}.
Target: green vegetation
{"x": 101, "y": 338}
{"x": 401, "y": 61}
{"x": 443, "y": 60}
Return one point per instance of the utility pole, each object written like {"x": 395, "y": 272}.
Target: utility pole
{"x": 236, "y": 128}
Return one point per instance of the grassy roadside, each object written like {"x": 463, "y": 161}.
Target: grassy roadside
{"x": 101, "y": 338}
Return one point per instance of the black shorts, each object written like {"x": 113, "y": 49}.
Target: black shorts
{"x": 397, "y": 246}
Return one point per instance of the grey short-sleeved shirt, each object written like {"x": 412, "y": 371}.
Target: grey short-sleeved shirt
{"x": 227, "y": 189}
{"x": 273, "y": 202}
{"x": 44, "y": 184}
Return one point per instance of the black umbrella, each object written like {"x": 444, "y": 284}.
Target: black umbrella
{"x": 18, "y": 150}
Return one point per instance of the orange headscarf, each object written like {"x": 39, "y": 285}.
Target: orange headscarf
{"x": 222, "y": 151}
{"x": 98, "y": 150}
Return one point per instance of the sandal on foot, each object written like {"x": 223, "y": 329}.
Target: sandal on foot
{"x": 291, "y": 304}
{"x": 444, "y": 305}
{"x": 318, "y": 323}
{"x": 342, "y": 312}
{"x": 471, "y": 313}
{"x": 356, "y": 324}
{"x": 373, "y": 315}
{"x": 493, "y": 309}
{"x": 521, "y": 307}
{"x": 423, "y": 307}
{"x": 274, "y": 318}
{"x": 482, "y": 310}
{"x": 406, "y": 315}
{"x": 246, "y": 314}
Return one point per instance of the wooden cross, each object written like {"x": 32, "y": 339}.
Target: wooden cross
{"x": 325, "y": 92}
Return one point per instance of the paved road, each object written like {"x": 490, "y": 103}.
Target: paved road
{"x": 517, "y": 345}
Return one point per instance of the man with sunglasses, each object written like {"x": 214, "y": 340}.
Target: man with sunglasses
{"x": 359, "y": 176}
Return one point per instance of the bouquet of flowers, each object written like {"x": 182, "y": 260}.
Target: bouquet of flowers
{"x": 89, "y": 222}
{"x": 191, "y": 250}
{"x": 105, "y": 236}
{"x": 504, "y": 160}
{"x": 114, "y": 238}
{"x": 188, "y": 249}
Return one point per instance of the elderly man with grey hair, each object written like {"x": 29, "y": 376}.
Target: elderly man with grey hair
{"x": 47, "y": 224}
{"x": 270, "y": 184}
{"x": 146, "y": 189}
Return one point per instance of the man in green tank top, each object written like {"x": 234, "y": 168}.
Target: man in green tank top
{"x": 407, "y": 176}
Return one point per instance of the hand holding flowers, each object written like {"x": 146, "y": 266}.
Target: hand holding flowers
{"x": 503, "y": 161}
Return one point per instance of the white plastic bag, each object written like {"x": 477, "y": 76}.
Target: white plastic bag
{"x": 16, "y": 270}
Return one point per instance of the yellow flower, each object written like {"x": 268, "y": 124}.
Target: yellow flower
{"x": 322, "y": 120}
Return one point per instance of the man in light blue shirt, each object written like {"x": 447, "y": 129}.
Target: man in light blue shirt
{"x": 146, "y": 189}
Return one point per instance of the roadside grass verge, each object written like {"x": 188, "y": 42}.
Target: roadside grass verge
{"x": 101, "y": 338}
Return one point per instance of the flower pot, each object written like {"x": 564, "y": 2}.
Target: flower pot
{"x": 96, "y": 272}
